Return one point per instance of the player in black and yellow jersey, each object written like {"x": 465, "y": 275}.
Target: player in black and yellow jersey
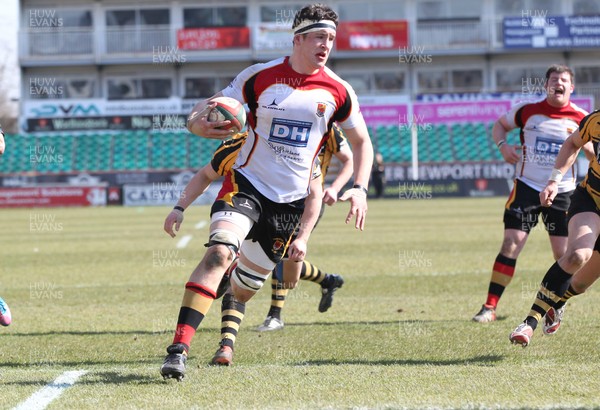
{"x": 285, "y": 275}
{"x": 336, "y": 145}
{"x": 584, "y": 228}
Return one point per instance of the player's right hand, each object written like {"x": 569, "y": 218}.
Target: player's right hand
{"x": 358, "y": 206}
{"x": 198, "y": 124}
{"x": 548, "y": 194}
{"x": 510, "y": 154}
{"x": 175, "y": 217}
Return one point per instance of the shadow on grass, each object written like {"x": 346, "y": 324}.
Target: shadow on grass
{"x": 102, "y": 332}
{"x": 51, "y": 364}
{"x": 101, "y": 378}
{"x": 481, "y": 360}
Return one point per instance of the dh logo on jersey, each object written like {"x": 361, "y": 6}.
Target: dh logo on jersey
{"x": 547, "y": 146}
{"x": 290, "y": 132}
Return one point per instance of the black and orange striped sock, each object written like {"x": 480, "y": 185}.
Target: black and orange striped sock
{"x": 502, "y": 274}
{"x": 312, "y": 273}
{"x": 568, "y": 295}
{"x": 232, "y": 314}
{"x": 197, "y": 300}
{"x": 554, "y": 285}
{"x": 278, "y": 295}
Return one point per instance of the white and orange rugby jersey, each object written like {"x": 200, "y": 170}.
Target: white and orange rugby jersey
{"x": 289, "y": 120}
{"x": 544, "y": 129}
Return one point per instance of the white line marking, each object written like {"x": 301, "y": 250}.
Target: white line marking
{"x": 184, "y": 241}
{"x": 42, "y": 398}
{"x": 201, "y": 224}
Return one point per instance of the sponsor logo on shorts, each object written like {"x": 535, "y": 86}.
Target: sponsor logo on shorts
{"x": 246, "y": 204}
{"x": 278, "y": 244}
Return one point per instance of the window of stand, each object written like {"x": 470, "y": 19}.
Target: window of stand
{"x": 439, "y": 10}
{"x": 49, "y": 87}
{"x": 230, "y": 16}
{"x": 127, "y": 88}
{"x": 57, "y": 18}
{"x": 459, "y": 80}
{"x": 372, "y": 11}
{"x": 204, "y": 87}
{"x": 586, "y": 7}
{"x": 282, "y": 13}
{"x": 138, "y": 17}
{"x": 520, "y": 80}
{"x": 380, "y": 82}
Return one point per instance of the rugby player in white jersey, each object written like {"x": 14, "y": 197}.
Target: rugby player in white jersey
{"x": 293, "y": 103}
{"x": 544, "y": 126}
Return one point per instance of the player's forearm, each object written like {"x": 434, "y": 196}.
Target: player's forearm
{"x": 567, "y": 155}
{"x": 363, "y": 161}
{"x": 343, "y": 176}
{"x": 196, "y": 187}
{"x": 498, "y": 133}
{"x": 312, "y": 208}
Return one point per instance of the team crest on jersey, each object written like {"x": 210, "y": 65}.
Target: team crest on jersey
{"x": 321, "y": 109}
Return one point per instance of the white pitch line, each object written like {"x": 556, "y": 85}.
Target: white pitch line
{"x": 201, "y": 224}
{"x": 184, "y": 241}
{"x": 42, "y": 398}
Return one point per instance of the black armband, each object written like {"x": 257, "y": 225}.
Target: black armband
{"x": 362, "y": 188}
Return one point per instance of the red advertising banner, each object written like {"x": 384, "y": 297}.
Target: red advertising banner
{"x": 213, "y": 38}
{"x": 372, "y": 35}
{"x": 52, "y": 196}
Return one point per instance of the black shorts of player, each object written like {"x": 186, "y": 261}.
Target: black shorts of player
{"x": 581, "y": 201}
{"x": 274, "y": 223}
{"x": 523, "y": 209}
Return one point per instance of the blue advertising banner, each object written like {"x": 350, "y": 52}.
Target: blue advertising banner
{"x": 540, "y": 31}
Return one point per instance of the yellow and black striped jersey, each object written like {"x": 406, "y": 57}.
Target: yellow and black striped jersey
{"x": 589, "y": 130}
{"x": 224, "y": 156}
{"x": 334, "y": 144}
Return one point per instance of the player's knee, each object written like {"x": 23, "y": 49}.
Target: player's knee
{"x": 217, "y": 256}
{"x": 241, "y": 295}
{"x": 511, "y": 247}
{"x": 578, "y": 257}
{"x": 248, "y": 279}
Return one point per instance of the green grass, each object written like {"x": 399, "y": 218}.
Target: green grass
{"x": 100, "y": 289}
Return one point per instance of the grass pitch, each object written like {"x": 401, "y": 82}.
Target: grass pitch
{"x": 99, "y": 290}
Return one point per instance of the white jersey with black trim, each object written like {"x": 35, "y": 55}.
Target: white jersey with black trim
{"x": 289, "y": 119}
{"x": 544, "y": 129}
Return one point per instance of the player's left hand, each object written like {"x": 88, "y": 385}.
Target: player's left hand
{"x": 358, "y": 206}
{"x": 175, "y": 217}
{"x": 297, "y": 250}
{"x": 330, "y": 196}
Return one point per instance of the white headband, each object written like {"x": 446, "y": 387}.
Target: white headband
{"x": 307, "y": 26}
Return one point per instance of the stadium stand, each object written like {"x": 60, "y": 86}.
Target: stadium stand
{"x": 459, "y": 142}
{"x": 128, "y": 151}
{"x": 140, "y": 151}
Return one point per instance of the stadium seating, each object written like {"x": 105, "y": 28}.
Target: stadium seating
{"x": 127, "y": 151}
{"x": 459, "y": 142}
{"x": 142, "y": 151}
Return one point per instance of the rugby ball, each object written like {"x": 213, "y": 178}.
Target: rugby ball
{"x": 228, "y": 109}
{"x": 5, "y": 316}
